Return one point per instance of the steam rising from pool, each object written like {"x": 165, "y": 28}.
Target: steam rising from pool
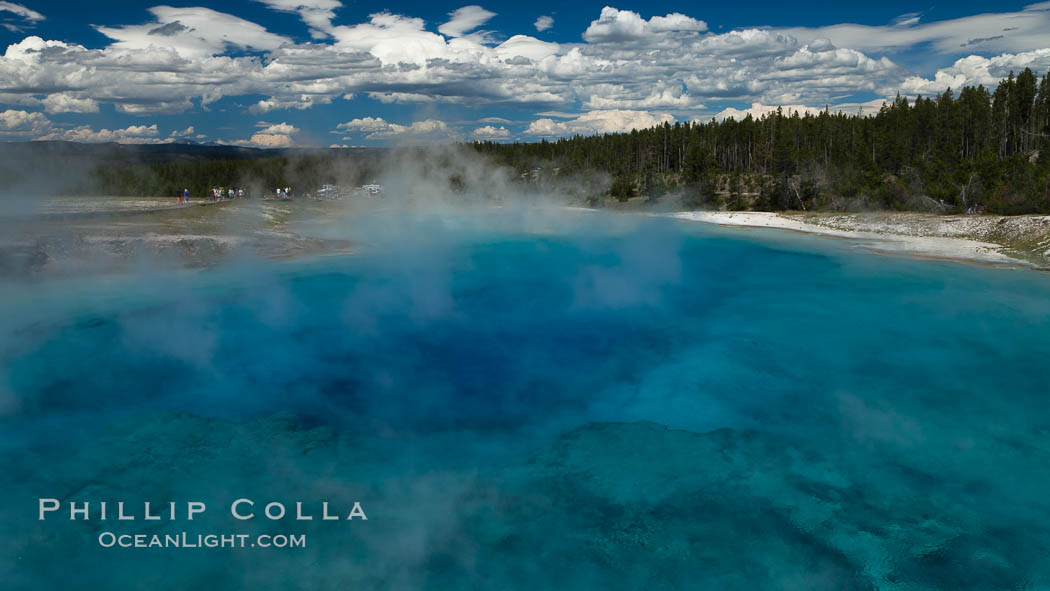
{"x": 531, "y": 398}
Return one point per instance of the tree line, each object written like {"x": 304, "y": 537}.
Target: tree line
{"x": 259, "y": 175}
{"x": 64, "y": 168}
{"x": 972, "y": 151}
{"x": 975, "y": 150}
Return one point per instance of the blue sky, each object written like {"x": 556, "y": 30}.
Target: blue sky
{"x": 274, "y": 73}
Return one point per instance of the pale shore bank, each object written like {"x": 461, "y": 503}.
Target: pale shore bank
{"x": 1016, "y": 240}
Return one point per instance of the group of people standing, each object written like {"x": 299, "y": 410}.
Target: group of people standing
{"x": 220, "y": 193}
{"x": 217, "y": 194}
{"x": 224, "y": 193}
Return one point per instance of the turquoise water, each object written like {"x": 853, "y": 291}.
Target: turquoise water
{"x": 525, "y": 401}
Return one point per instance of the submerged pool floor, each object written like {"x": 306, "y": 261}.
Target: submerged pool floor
{"x": 642, "y": 405}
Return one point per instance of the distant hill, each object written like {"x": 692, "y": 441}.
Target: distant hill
{"x": 156, "y": 153}
{"x": 43, "y": 168}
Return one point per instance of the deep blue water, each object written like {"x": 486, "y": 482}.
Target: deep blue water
{"x": 525, "y": 401}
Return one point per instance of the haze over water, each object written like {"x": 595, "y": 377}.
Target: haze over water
{"x": 528, "y": 399}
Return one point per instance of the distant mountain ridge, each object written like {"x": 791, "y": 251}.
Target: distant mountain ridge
{"x": 47, "y": 168}
{"x": 150, "y": 153}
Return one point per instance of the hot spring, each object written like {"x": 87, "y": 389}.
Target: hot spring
{"x": 534, "y": 399}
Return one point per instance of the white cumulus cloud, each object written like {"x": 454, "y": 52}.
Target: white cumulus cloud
{"x": 272, "y": 135}
{"x": 190, "y": 58}
{"x": 171, "y": 65}
{"x": 189, "y": 131}
{"x": 379, "y": 128}
{"x": 271, "y": 140}
{"x": 489, "y": 132}
{"x": 84, "y": 133}
{"x": 758, "y": 110}
{"x": 615, "y": 25}
{"x": 597, "y": 122}
{"x": 973, "y": 70}
{"x": 17, "y": 122}
{"x": 62, "y": 102}
{"x": 278, "y": 128}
